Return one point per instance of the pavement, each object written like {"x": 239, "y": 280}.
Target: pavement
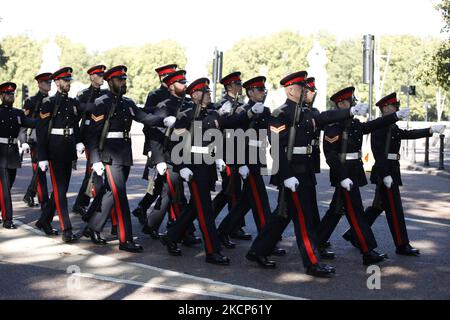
{"x": 34, "y": 266}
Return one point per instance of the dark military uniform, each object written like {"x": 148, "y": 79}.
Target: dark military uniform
{"x": 32, "y": 108}
{"x": 116, "y": 156}
{"x": 385, "y": 143}
{"x": 87, "y": 98}
{"x": 353, "y": 169}
{"x": 11, "y": 121}
{"x": 58, "y": 147}
{"x": 254, "y": 190}
{"x": 300, "y": 206}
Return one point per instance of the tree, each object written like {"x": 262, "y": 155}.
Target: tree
{"x": 25, "y": 58}
{"x": 141, "y": 63}
{"x": 3, "y": 58}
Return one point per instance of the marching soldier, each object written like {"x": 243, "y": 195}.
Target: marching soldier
{"x": 32, "y": 108}
{"x": 110, "y": 152}
{"x": 172, "y": 198}
{"x": 153, "y": 98}
{"x": 342, "y": 147}
{"x": 294, "y": 126}
{"x": 254, "y": 195}
{"x": 59, "y": 141}
{"x": 385, "y": 143}
{"x": 231, "y": 190}
{"x": 199, "y": 174}
{"x": 12, "y": 120}
{"x": 86, "y": 98}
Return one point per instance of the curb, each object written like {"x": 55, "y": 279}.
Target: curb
{"x": 430, "y": 171}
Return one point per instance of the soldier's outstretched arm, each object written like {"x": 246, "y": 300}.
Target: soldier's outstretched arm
{"x": 415, "y": 133}
{"x": 331, "y": 116}
{"x": 147, "y": 119}
{"x": 370, "y": 126}
{"x": 279, "y": 129}
{"x": 76, "y": 126}
{"x": 238, "y": 119}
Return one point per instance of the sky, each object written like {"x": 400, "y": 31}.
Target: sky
{"x": 201, "y": 25}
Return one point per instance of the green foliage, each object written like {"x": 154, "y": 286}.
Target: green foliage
{"x": 141, "y": 63}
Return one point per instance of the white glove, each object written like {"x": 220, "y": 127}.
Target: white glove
{"x": 347, "y": 184}
{"x": 161, "y": 168}
{"x": 244, "y": 171}
{"x": 43, "y": 165}
{"x": 169, "y": 121}
{"x": 186, "y": 174}
{"x": 258, "y": 108}
{"x": 438, "y": 128}
{"x": 220, "y": 165}
{"x": 359, "y": 110}
{"x": 25, "y": 147}
{"x": 80, "y": 147}
{"x": 149, "y": 154}
{"x": 226, "y": 108}
{"x": 291, "y": 183}
{"x": 388, "y": 181}
{"x": 99, "y": 168}
{"x": 403, "y": 113}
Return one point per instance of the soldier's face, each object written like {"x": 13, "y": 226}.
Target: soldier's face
{"x": 63, "y": 85}
{"x": 257, "y": 94}
{"x": 179, "y": 89}
{"x": 309, "y": 96}
{"x": 45, "y": 86}
{"x": 8, "y": 98}
{"x": 294, "y": 92}
{"x": 197, "y": 96}
{"x": 118, "y": 85}
{"x": 236, "y": 88}
{"x": 388, "y": 109}
{"x": 344, "y": 104}
{"x": 96, "y": 80}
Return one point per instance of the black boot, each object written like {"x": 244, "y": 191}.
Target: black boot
{"x": 407, "y": 250}
{"x": 94, "y": 236}
{"x": 172, "y": 246}
{"x": 320, "y": 270}
{"x": 325, "y": 253}
{"x": 278, "y": 252}
{"x": 29, "y": 200}
{"x": 47, "y": 228}
{"x": 349, "y": 237}
{"x": 141, "y": 214}
{"x": 79, "y": 209}
{"x": 9, "y": 225}
{"x": 217, "y": 258}
{"x": 240, "y": 234}
{"x": 261, "y": 260}
{"x": 226, "y": 242}
{"x": 372, "y": 257}
{"x": 154, "y": 234}
{"x": 69, "y": 237}
{"x": 131, "y": 246}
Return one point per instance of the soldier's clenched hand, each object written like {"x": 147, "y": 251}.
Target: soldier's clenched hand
{"x": 169, "y": 121}
{"x": 291, "y": 183}
{"x": 99, "y": 168}
{"x": 347, "y": 184}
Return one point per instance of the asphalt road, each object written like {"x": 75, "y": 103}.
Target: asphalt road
{"x": 36, "y": 267}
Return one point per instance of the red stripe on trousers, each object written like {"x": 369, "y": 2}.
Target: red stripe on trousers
{"x": 56, "y": 195}
{"x": 117, "y": 205}
{"x": 173, "y": 194}
{"x": 39, "y": 189}
{"x": 2, "y": 200}
{"x": 257, "y": 199}
{"x": 394, "y": 217}
{"x": 201, "y": 216}
{"x": 354, "y": 222}
{"x": 172, "y": 213}
{"x": 303, "y": 232}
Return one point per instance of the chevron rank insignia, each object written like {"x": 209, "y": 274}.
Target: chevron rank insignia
{"x": 97, "y": 118}
{"x": 179, "y": 131}
{"x": 277, "y": 129}
{"x": 44, "y": 115}
{"x": 332, "y": 139}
